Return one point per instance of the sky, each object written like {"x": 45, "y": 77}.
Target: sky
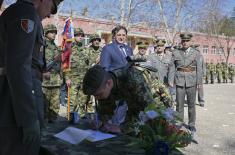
{"x": 79, "y": 5}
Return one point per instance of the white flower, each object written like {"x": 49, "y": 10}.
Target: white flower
{"x": 151, "y": 114}
{"x": 137, "y": 130}
{"x": 168, "y": 114}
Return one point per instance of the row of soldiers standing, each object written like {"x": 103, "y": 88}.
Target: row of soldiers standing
{"x": 220, "y": 71}
{"x": 81, "y": 59}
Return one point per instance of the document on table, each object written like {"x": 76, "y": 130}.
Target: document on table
{"x": 75, "y": 135}
{"x": 97, "y": 136}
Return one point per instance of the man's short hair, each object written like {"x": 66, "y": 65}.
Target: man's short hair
{"x": 93, "y": 79}
{"x": 117, "y": 29}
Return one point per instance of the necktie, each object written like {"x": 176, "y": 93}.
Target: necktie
{"x": 123, "y": 51}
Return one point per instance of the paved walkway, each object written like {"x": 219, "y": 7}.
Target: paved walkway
{"x": 215, "y": 122}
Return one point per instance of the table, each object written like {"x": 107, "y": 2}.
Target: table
{"x": 113, "y": 146}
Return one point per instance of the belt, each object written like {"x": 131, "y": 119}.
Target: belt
{"x": 186, "y": 69}
{"x": 2, "y": 71}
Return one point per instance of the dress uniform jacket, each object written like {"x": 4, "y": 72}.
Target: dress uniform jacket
{"x": 22, "y": 52}
{"x": 161, "y": 64}
{"x": 180, "y": 61}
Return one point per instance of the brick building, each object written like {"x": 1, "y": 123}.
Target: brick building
{"x": 208, "y": 45}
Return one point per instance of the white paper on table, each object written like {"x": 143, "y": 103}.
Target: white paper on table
{"x": 73, "y": 135}
{"x": 97, "y": 136}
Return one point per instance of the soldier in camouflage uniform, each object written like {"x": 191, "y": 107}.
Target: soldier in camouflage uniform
{"x": 212, "y": 72}
{"x": 52, "y": 81}
{"x": 79, "y": 64}
{"x": 225, "y": 72}
{"x": 219, "y": 69}
{"x": 127, "y": 83}
{"x": 231, "y": 71}
{"x": 94, "y": 49}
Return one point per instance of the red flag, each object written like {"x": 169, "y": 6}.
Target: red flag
{"x": 68, "y": 37}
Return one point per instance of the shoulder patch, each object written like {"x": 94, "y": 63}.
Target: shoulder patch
{"x": 27, "y": 25}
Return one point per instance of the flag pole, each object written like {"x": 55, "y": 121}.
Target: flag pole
{"x": 68, "y": 104}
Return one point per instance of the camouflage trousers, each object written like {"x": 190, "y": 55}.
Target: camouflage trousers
{"x": 52, "y": 102}
{"x": 225, "y": 77}
{"x": 219, "y": 77}
{"x": 208, "y": 77}
{"x": 79, "y": 101}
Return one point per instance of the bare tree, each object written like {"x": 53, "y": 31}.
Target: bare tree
{"x": 171, "y": 28}
{"x": 219, "y": 27}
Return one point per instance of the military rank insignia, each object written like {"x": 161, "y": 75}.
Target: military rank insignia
{"x": 27, "y": 25}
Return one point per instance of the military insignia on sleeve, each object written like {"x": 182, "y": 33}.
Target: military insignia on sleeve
{"x": 27, "y": 25}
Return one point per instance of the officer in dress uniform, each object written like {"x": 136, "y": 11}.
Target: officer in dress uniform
{"x": 186, "y": 73}
{"x": 160, "y": 61}
{"x": 21, "y": 66}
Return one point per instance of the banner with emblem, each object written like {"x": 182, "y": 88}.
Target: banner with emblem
{"x": 68, "y": 39}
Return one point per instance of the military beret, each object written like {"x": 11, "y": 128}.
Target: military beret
{"x": 95, "y": 36}
{"x": 50, "y": 28}
{"x": 56, "y": 3}
{"x": 93, "y": 79}
{"x": 160, "y": 42}
{"x": 186, "y": 36}
{"x": 78, "y": 31}
{"x": 142, "y": 44}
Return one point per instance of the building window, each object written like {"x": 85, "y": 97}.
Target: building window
{"x": 213, "y": 50}
{"x": 205, "y": 49}
{"x": 220, "y": 50}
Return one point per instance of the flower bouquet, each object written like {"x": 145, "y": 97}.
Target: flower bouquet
{"x": 156, "y": 130}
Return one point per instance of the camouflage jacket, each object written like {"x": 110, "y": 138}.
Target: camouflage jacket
{"x": 94, "y": 55}
{"x": 231, "y": 70}
{"x": 136, "y": 88}
{"x": 212, "y": 68}
{"x": 51, "y": 51}
{"x": 219, "y": 68}
{"x": 79, "y": 63}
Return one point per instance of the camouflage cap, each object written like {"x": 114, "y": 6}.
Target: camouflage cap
{"x": 50, "y": 28}
{"x": 160, "y": 42}
{"x": 186, "y": 36}
{"x": 93, "y": 79}
{"x": 142, "y": 44}
{"x": 78, "y": 31}
{"x": 56, "y": 3}
{"x": 95, "y": 36}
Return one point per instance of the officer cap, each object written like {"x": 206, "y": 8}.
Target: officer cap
{"x": 56, "y": 3}
{"x": 93, "y": 79}
{"x": 186, "y": 36}
{"x": 95, "y": 36}
{"x": 160, "y": 42}
{"x": 50, "y": 28}
{"x": 142, "y": 44}
{"x": 78, "y": 31}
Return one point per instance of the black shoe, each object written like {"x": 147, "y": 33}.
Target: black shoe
{"x": 192, "y": 129}
{"x": 201, "y": 104}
